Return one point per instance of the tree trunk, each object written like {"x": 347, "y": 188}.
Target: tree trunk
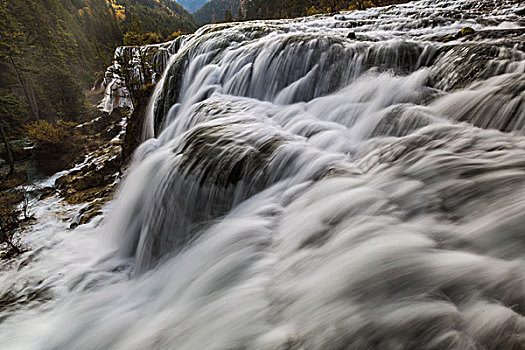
{"x": 8, "y": 151}
{"x": 30, "y": 96}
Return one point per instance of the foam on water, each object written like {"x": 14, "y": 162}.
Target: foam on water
{"x": 299, "y": 189}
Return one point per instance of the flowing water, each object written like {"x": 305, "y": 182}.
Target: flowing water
{"x": 302, "y": 187}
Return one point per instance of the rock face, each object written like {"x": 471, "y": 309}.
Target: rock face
{"x": 135, "y": 124}
{"x": 150, "y": 58}
{"x": 93, "y": 182}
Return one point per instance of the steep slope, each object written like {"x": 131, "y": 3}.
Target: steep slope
{"x": 192, "y": 5}
{"x": 215, "y": 11}
{"x": 227, "y": 10}
{"x": 51, "y": 50}
{"x": 272, "y": 9}
{"x": 161, "y": 16}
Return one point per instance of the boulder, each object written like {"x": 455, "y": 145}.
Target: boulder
{"x": 90, "y": 180}
{"x": 47, "y": 192}
{"x": 462, "y": 33}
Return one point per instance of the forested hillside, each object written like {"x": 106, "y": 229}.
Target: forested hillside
{"x": 218, "y": 11}
{"x": 228, "y": 10}
{"x": 51, "y": 50}
{"x": 272, "y": 9}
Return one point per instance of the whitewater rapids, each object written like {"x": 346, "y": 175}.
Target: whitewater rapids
{"x": 302, "y": 188}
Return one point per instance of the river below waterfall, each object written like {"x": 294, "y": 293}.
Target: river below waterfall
{"x": 354, "y": 181}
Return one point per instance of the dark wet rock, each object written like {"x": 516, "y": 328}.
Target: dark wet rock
{"x": 462, "y": 33}
{"x": 351, "y": 36}
{"x": 509, "y": 38}
{"x": 458, "y": 66}
{"x": 135, "y": 124}
{"x": 204, "y": 153}
{"x": 89, "y": 180}
{"x": 91, "y": 211}
{"x": 63, "y": 181}
{"x": 20, "y": 150}
{"x": 88, "y": 195}
{"x": 47, "y": 192}
{"x": 12, "y": 181}
{"x": 502, "y": 96}
{"x": 31, "y": 292}
{"x": 93, "y": 184}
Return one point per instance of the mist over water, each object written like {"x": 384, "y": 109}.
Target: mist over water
{"x": 301, "y": 189}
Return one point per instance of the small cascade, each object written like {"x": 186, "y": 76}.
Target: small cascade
{"x": 144, "y": 65}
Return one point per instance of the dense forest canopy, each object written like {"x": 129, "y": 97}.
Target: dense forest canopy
{"x": 52, "y": 50}
{"x": 228, "y": 10}
{"x": 218, "y": 11}
{"x": 271, "y": 9}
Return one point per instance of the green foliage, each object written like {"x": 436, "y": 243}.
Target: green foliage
{"x": 133, "y": 38}
{"x": 56, "y": 145}
{"x": 215, "y": 11}
{"x": 52, "y": 50}
{"x": 228, "y": 17}
{"x": 174, "y": 35}
{"x": 43, "y": 132}
{"x": 162, "y": 17}
{"x": 63, "y": 93}
{"x": 269, "y": 9}
{"x": 11, "y": 108}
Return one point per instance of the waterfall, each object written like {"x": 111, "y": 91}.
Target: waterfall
{"x": 354, "y": 181}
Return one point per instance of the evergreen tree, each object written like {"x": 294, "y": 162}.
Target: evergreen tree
{"x": 228, "y": 16}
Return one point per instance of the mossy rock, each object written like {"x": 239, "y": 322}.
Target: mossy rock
{"x": 466, "y": 31}
{"x": 90, "y": 215}
{"x": 47, "y": 192}
{"x": 90, "y": 180}
{"x": 449, "y": 38}
{"x": 462, "y": 33}
{"x": 64, "y": 181}
{"x": 10, "y": 198}
{"x": 94, "y": 208}
{"x": 78, "y": 197}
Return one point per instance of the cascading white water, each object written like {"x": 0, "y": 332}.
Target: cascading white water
{"x": 307, "y": 190}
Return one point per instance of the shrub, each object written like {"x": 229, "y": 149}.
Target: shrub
{"x": 56, "y": 145}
